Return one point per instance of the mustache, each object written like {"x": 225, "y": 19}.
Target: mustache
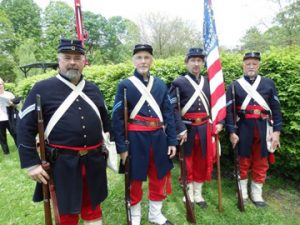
{"x": 75, "y": 69}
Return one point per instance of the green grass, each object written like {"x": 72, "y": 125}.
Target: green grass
{"x": 16, "y": 207}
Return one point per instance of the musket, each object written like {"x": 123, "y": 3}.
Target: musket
{"x": 45, "y": 165}
{"x": 190, "y": 215}
{"x": 82, "y": 34}
{"x": 127, "y": 163}
{"x": 236, "y": 159}
{"x": 48, "y": 189}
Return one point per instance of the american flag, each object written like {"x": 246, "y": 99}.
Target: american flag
{"x": 214, "y": 67}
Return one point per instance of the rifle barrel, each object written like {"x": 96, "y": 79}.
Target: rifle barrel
{"x": 190, "y": 215}
{"x": 127, "y": 162}
{"x": 45, "y": 187}
{"x": 236, "y": 157}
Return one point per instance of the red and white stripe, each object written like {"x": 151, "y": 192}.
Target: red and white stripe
{"x": 217, "y": 87}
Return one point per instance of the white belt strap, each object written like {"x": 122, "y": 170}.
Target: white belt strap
{"x": 146, "y": 96}
{"x": 140, "y": 103}
{"x": 252, "y": 93}
{"x": 77, "y": 90}
{"x": 198, "y": 93}
{"x": 112, "y": 160}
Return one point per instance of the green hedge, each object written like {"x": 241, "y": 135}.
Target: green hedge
{"x": 281, "y": 65}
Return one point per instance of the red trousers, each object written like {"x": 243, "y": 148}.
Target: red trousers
{"x": 257, "y": 164}
{"x": 87, "y": 213}
{"x": 196, "y": 164}
{"x": 158, "y": 188}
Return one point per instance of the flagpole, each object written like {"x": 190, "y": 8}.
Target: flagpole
{"x": 216, "y": 84}
{"x": 220, "y": 206}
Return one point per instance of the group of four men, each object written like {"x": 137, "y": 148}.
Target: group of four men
{"x": 73, "y": 109}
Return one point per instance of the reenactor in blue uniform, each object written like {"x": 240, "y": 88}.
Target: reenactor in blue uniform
{"x": 192, "y": 124}
{"x": 71, "y": 108}
{"x": 151, "y": 134}
{"x": 258, "y": 126}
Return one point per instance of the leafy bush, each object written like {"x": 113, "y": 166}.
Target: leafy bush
{"x": 281, "y": 65}
{"x": 10, "y": 87}
{"x": 7, "y": 66}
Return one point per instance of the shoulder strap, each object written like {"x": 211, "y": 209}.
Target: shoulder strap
{"x": 64, "y": 106}
{"x": 145, "y": 96}
{"x": 252, "y": 93}
{"x": 198, "y": 93}
{"x": 77, "y": 90}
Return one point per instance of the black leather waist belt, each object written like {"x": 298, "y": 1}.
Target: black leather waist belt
{"x": 197, "y": 120}
{"x": 146, "y": 123}
{"x": 75, "y": 152}
{"x": 255, "y": 112}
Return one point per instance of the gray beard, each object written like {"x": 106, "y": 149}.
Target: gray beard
{"x": 73, "y": 75}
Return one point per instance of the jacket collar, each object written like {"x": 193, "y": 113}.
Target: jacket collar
{"x": 194, "y": 77}
{"x": 140, "y": 76}
{"x": 63, "y": 76}
{"x": 251, "y": 81}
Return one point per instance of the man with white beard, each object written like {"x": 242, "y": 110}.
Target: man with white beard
{"x": 257, "y": 129}
{"x": 72, "y": 110}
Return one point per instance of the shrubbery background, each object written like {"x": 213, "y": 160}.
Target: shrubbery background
{"x": 281, "y": 65}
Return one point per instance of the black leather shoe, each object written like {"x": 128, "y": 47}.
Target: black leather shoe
{"x": 202, "y": 205}
{"x": 260, "y": 204}
{"x": 168, "y": 223}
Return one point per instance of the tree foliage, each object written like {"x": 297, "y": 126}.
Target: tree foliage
{"x": 94, "y": 24}
{"x": 59, "y": 21}
{"x": 168, "y": 36}
{"x": 288, "y": 22}
{"x": 7, "y": 66}
{"x": 7, "y": 45}
{"x": 254, "y": 39}
{"x": 119, "y": 34}
{"x": 285, "y": 30}
{"x": 110, "y": 40}
{"x": 25, "y": 16}
{"x": 7, "y": 35}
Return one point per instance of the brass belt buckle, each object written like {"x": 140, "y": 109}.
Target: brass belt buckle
{"x": 83, "y": 152}
{"x": 198, "y": 120}
{"x": 152, "y": 123}
{"x": 256, "y": 111}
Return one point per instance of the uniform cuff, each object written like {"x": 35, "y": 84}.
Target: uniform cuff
{"x": 32, "y": 167}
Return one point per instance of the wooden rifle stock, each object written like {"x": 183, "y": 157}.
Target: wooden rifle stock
{"x": 190, "y": 215}
{"x": 48, "y": 189}
{"x": 45, "y": 165}
{"x": 236, "y": 159}
{"x": 127, "y": 163}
